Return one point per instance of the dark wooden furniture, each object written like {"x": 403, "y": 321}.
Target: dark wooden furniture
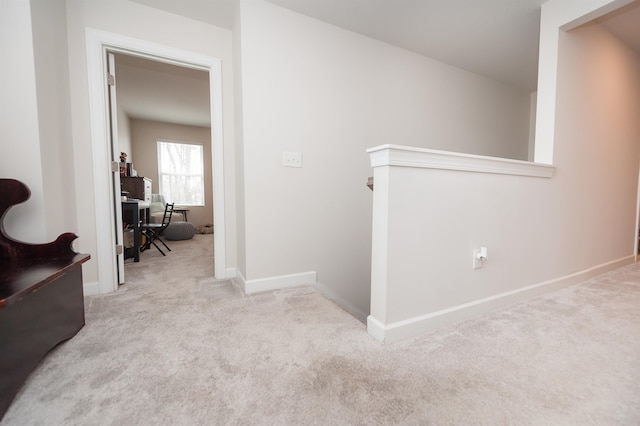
{"x": 183, "y": 210}
{"x": 153, "y": 230}
{"x": 133, "y": 219}
{"x": 138, "y": 187}
{"x": 41, "y": 298}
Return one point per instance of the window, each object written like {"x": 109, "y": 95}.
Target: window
{"x": 181, "y": 173}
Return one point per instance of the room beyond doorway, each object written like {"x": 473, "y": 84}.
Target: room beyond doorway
{"x": 160, "y": 104}
{"x": 98, "y": 44}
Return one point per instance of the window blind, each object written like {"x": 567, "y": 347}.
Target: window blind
{"x": 181, "y": 173}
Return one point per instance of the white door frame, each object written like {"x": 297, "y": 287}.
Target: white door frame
{"x": 98, "y": 43}
{"x": 112, "y": 105}
{"x": 636, "y": 235}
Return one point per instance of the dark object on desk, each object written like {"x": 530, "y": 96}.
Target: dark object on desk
{"x": 41, "y": 298}
{"x": 137, "y": 187}
{"x": 153, "y": 230}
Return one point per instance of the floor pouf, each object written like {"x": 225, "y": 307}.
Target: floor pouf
{"x": 179, "y": 231}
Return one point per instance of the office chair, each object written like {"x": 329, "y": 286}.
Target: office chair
{"x": 152, "y": 231}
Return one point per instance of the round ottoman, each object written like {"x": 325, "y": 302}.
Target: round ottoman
{"x": 179, "y": 231}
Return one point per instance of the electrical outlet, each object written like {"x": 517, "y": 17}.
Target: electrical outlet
{"x": 477, "y": 262}
{"x": 479, "y": 257}
{"x": 292, "y": 159}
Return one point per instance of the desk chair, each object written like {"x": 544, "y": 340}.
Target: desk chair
{"x": 152, "y": 231}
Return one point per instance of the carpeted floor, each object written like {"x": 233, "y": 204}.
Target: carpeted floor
{"x": 175, "y": 347}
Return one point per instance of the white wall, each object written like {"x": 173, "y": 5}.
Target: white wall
{"x": 532, "y": 126}
{"x": 564, "y": 14}
{"x": 19, "y": 124}
{"x": 54, "y": 114}
{"x": 134, "y": 20}
{"x": 239, "y": 143}
{"x": 540, "y": 233}
{"x": 330, "y": 94}
{"x": 124, "y": 134}
{"x": 145, "y": 135}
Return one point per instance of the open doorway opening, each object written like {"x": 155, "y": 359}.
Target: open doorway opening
{"x": 98, "y": 44}
{"x": 164, "y": 138}
{"x": 637, "y": 231}
{"x": 622, "y": 23}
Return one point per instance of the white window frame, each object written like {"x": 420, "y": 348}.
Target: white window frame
{"x": 201, "y": 174}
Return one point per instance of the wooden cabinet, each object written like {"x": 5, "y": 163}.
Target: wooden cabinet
{"x": 138, "y": 187}
{"x": 41, "y": 299}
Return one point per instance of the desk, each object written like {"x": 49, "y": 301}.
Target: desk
{"x": 182, "y": 210}
{"x": 131, "y": 216}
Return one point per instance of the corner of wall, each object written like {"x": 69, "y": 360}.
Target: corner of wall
{"x": 91, "y": 288}
{"x": 342, "y": 303}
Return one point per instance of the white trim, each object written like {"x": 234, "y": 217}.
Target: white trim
{"x": 98, "y": 42}
{"x": 636, "y": 234}
{"x": 161, "y": 173}
{"x": 406, "y": 156}
{"x": 91, "y": 289}
{"x": 105, "y": 238}
{"x": 231, "y": 273}
{"x": 412, "y": 327}
{"x": 277, "y": 283}
{"x": 376, "y": 329}
{"x": 217, "y": 151}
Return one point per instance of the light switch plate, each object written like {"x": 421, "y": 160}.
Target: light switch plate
{"x": 292, "y": 159}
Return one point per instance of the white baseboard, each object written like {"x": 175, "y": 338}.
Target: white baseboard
{"x": 91, "y": 289}
{"x": 389, "y": 333}
{"x": 294, "y": 280}
{"x": 230, "y": 273}
{"x": 276, "y": 283}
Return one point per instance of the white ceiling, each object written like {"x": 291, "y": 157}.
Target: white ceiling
{"x": 494, "y": 38}
{"x": 157, "y": 91}
{"x": 624, "y": 23}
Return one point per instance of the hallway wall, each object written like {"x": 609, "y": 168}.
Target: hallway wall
{"x": 330, "y": 94}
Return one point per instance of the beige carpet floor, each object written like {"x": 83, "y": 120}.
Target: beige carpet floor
{"x": 173, "y": 346}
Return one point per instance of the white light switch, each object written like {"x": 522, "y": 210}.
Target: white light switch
{"x": 292, "y": 159}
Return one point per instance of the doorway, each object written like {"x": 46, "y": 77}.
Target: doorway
{"x": 163, "y": 104}
{"x": 636, "y": 248}
{"x": 98, "y": 44}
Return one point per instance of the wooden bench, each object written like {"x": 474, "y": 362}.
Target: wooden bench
{"x": 41, "y": 298}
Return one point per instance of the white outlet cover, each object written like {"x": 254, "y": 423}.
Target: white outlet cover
{"x": 477, "y": 262}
